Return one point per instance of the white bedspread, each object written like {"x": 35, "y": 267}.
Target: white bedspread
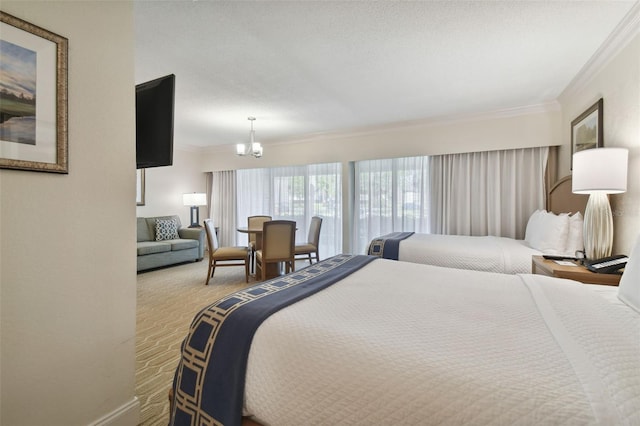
{"x": 406, "y": 344}
{"x": 493, "y": 254}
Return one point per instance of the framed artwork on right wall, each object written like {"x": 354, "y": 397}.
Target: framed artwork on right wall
{"x": 586, "y": 129}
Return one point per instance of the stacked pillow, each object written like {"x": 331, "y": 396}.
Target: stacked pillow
{"x": 555, "y": 234}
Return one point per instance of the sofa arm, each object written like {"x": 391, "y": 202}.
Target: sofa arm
{"x": 194, "y": 234}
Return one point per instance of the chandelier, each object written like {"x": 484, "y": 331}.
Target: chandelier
{"x": 252, "y": 147}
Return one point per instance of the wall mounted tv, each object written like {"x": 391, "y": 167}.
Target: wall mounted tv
{"x": 154, "y": 122}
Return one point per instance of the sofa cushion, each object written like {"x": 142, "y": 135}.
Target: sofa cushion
{"x": 166, "y": 229}
{"x": 183, "y": 244}
{"x": 150, "y": 247}
{"x": 143, "y": 230}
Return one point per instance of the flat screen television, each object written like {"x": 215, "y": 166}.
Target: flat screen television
{"x": 154, "y": 122}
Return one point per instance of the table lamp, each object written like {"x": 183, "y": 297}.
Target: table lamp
{"x": 195, "y": 199}
{"x": 599, "y": 172}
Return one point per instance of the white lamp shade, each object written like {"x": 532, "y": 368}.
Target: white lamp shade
{"x": 600, "y": 170}
{"x": 194, "y": 199}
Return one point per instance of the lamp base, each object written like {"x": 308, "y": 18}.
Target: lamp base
{"x": 598, "y": 227}
{"x": 195, "y": 217}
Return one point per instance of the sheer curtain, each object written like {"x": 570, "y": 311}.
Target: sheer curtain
{"x": 223, "y": 205}
{"x": 487, "y": 193}
{"x": 295, "y": 193}
{"x": 390, "y": 195}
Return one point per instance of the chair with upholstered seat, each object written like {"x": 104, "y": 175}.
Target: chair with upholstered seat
{"x": 255, "y": 222}
{"x": 309, "y": 250}
{"x": 224, "y": 256}
{"x": 278, "y": 241}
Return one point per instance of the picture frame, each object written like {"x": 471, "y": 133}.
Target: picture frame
{"x": 33, "y": 99}
{"x": 139, "y": 187}
{"x": 587, "y": 130}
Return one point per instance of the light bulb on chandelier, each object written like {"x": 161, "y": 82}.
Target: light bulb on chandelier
{"x": 252, "y": 147}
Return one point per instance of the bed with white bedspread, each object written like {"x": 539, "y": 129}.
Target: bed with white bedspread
{"x": 555, "y": 232}
{"x": 488, "y": 253}
{"x": 402, "y": 343}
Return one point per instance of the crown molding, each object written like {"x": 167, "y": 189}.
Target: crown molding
{"x": 621, "y": 36}
{"x": 404, "y": 125}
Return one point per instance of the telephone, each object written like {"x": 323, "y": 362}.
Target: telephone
{"x": 606, "y": 265}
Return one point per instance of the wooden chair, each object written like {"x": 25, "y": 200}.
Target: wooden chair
{"x": 224, "y": 256}
{"x": 255, "y": 222}
{"x": 278, "y": 241}
{"x": 304, "y": 251}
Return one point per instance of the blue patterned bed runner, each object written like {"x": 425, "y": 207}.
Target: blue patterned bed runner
{"x": 388, "y": 246}
{"x": 208, "y": 386}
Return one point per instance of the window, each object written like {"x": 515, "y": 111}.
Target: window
{"x": 390, "y": 195}
{"x": 295, "y": 193}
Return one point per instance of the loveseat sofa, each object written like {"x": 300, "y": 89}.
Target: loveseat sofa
{"x": 163, "y": 241}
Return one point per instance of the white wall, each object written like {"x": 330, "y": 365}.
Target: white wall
{"x": 164, "y": 187}
{"x": 67, "y": 263}
{"x": 615, "y": 77}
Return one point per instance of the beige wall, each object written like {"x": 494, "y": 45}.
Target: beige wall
{"x": 165, "y": 186}
{"x": 518, "y": 128}
{"x": 616, "y": 79}
{"x": 67, "y": 264}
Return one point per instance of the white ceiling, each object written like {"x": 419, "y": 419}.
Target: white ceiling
{"x": 309, "y": 67}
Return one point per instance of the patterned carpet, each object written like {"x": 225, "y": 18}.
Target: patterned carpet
{"x": 167, "y": 300}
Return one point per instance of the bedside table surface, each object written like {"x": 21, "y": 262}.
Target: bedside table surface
{"x": 542, "y": 266}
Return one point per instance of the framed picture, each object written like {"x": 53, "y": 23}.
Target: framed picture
{"x": 586, "y": 130}
{"x": 33, "y": 97}
{"x": 139, "y": 187}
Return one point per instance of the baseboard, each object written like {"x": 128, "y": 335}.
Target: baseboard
{"x": 126, "y": 415}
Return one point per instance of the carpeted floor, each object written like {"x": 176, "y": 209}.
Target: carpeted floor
{"x": 168, "y": 299}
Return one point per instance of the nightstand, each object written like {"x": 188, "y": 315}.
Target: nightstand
{"x": 542, "y": 266}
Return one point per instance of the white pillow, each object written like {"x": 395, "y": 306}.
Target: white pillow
{"x": 547, "y": 232}
{"x": 574, "y": 237}
{"x": 629, "y": 289}
{"x": 534, "y": 226}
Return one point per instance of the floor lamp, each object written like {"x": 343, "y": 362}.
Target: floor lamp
{"x": 599, "y": 172}
{"x": 195, "y": 200}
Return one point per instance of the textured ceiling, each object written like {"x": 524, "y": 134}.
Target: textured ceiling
{"x": 308, "y": 67}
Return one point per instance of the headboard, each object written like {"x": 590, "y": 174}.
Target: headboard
{"x": 561, "y": 200}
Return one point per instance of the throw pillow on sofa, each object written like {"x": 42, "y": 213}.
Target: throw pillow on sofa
{"x": 166, "y": 229}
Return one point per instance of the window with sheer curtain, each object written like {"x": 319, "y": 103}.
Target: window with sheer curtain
{"x": 390, "y": 195}
{"x": 295, "y": 193}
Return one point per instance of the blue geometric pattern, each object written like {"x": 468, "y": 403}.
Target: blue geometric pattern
{"x": 166, "y": 229}
{"x": 209, "y": 382}
{"x": 388, "y": 246}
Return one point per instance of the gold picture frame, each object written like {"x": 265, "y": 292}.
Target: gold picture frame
{"x": 586, "y": 129}
{"x": 33, "y": 100}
